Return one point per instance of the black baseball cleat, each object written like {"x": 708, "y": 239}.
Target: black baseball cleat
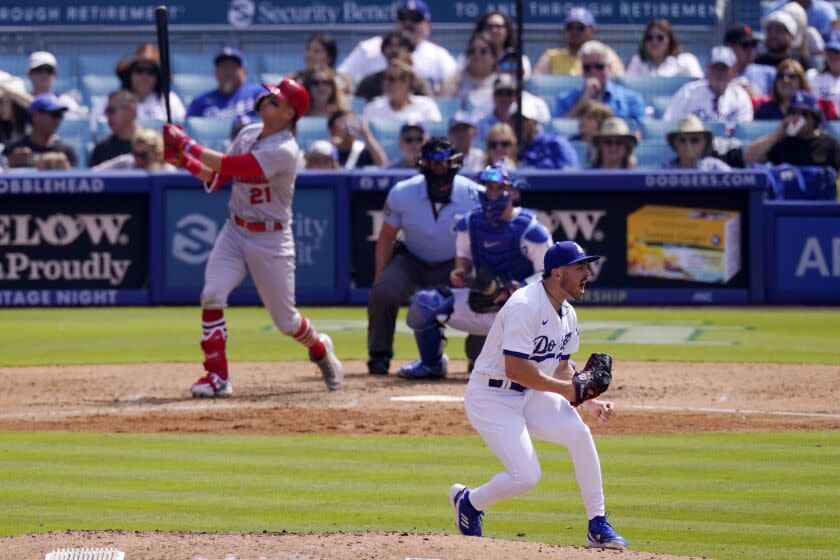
{"x": 378, "y": 366}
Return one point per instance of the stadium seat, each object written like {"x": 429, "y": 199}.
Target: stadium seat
{"x": 834, "y": 128}
{"x": 746, "y": 132}
{"x": 76, "y": 133}
{"x": 564, "y": 127}
{"x": 211, "y": 132}
{"x": 552, "y": 85}
{"x": 659, "y": 104}
{"x": 15, "y": 64}
{"x": 551, "y": 102}
{"x": 447, "y": 106}
{"x": 188, "y": 86}
{"x": 193, "y": 63}
{"x": 151, "y": 124}
{"x": 652, "y": 154}
{"x": 437, "y": 128}
{"x": 100, "y": 64}
{"x": 387, "y": 132}
{"x": 97, "y": 86}
{"x": 310, "y": 129}
{"x": 281, "y": 62}
{"x": 580, "y": 150}
{"x": 650, "y": 87}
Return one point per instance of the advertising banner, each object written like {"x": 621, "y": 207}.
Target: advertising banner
{"x": 193, "y": 219}
{"x": 806, "y": 257}
{"x": 69, "y": 251}
{"x": 244, "y": 14}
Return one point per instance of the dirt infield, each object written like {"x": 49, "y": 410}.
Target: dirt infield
{"x": 285, "y": 398}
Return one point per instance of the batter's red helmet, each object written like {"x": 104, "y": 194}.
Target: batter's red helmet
{"x": 289, "y": 91}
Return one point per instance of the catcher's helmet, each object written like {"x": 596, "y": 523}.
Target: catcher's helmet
{"x": 289, "y": 91}
{"x": 497, "y": 174}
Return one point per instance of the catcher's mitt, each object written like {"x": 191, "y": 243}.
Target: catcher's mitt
{"x": 488, "y": 292}
{"x": 594, "y": 379}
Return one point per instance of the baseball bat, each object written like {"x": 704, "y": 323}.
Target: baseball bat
{"x": 162, "y": 25}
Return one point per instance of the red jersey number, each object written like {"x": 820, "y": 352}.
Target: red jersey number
{"x": 260, "y": 195}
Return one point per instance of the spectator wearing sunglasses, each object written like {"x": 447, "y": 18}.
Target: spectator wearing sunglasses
{"x": 501, "y": 145}
{"x": 614, "y": 146}
{"x": 716, "y": 98}
{"x": 324, "y": 93}
{"x": 121, "y": 112}
{"x": 399, "y": 103}
{"x": 499, "y": 29}
{"x": 660, "y": 54}
{"x": 503, "y": 103}
{"x": 45, "y": 115}
{"x": 322, "y": 50}
{"x": 412, "y": 137}
{"x": 790, "y": 78}
{"x": 692, "y": 142}
{"x": 474, "y": 84}
{"x": 43, "y": 72}
{"x": 433, "y": 62}
{"x": 756, "y": 79}
{"x": 780, "y": 33}
{"x": 146, "y": 154}
{"x": 578, "y": 29}
{"x": 234, "y": 94}
{"x": 542, "y": 149}
{"x": 599, "y": 85}
{"x": 799, "y": 139}
{"x": 394, "y": 44}
{"x": 462, "y": 131}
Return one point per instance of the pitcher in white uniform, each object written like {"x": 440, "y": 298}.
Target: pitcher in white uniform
{"x": 521, "y": 387}
{"x": 257, "y": 237}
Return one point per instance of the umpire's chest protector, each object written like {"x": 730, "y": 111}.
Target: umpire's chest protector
{"x": 497, "y": 246}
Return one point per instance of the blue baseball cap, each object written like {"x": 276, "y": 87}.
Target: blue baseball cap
{"x": 834, "y": 44}
{"x": 418, "y": 6}
{"x": 46, "y": 102}
{"x": 807, "y": 102}
{"x": 565, "y": 253}
{"x": 230, "y": 52}
{"x": 579, "y": 14}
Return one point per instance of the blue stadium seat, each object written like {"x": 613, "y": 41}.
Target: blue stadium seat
{"x": 447, "y": 106}
{"x": 151, "y": 124}
{"x": 659, "y": 104}
{"x": 100, "y": 64}
{"x": 387, "y": 132}
{"x": 656, "y": 130}
{"x": 651, "y": 87}
{"x": 310, "y": 129}
{"x": 281, "y": 61}
{"x": 193, "y": 63}
{"x": 188, "y": 86}
{"x": 551, "y": 101}
{"x": 746, "y": 132}
{"x": 435, "y": 128}
{"x": 76, "y": 133}
{"x": 15, "y": 64}
{"x": 652, "y": 154}
{"x": 580, "y": 149}
{"x": 97, "y": 86}
{"x": 271, "y": 78}
{"x": 211, "y": 132}
{"x": 564, "y": 127}
{"x": 552, "y": 85}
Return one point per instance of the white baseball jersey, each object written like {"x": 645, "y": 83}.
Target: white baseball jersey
{"x": 419, "y": 109}
{"x": 431, "y": 61}
{"x": 528, "y": 327}
{"x": 732, "y": 107}
{"x": 684, "y": 64}
{"x": 268, "y": 197}
{"x": 825, "y": 86}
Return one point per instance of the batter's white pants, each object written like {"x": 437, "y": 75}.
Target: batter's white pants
{"x": 270, "y": 259}
{"x": 507, "y": 419}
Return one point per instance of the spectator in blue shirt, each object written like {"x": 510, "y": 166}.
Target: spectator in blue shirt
{"x": 625, "y": 103}
{"x": 541, "y": 149}
{"x": 757, "y": 79}
{"x": 234, "y": 96}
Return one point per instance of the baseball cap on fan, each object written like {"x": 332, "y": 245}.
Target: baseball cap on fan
{"x": 417, "y": 6}
{"x": 42, "y": 58}
{"x": 579, "y": 14}
{"x": 564, "y": 253}
{"x": 230, "y": 53}
{"x": 723, "y": 55}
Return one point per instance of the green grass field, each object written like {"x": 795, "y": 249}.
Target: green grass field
{"x": 726, "y": 496}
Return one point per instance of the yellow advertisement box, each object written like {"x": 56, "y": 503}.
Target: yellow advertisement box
{"x": 695, "y": 244}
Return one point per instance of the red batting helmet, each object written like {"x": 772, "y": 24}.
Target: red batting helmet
{"x": 289, "y": 91}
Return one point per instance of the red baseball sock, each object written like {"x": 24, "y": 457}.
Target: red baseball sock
{"x": 308, "y": 336}
{"x": 214, "y": 341}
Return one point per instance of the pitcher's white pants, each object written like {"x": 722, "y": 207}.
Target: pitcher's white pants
{"x": 507, "y": 419}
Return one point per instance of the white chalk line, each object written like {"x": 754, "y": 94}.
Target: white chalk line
{"x": 730, "y": 410}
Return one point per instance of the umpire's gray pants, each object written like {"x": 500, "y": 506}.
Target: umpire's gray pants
{"x": 402, "y": 276}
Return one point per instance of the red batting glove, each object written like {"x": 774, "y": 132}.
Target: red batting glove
{"x": 174, "y": 136}
{"x": 173, "y": 156}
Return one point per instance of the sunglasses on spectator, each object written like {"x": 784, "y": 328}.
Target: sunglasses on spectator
{"x": 493, "y": 144}
{"x": 613, "y": 142}
{"x": 43, "y": 70}
{"x": 410, "y": 15}
{"x": 396, "y": 78}
{"x": 748, "y": 44}
{"x": 785, "y": 76}
{"x": 656, "y": 38}
{"x": 579, "y": 27}
{"x": 597, "y": 66}
{"x": 110, "y": 110}
{"x": 483, "y": 51}
{"x": 148, "y": 70}
{"x": 412, "y": 139}
{"x": 315, "y": 83}
{"x": 493, "y": 26}
{"x": 505, "y": 92}
{"x": 686, "y": 139}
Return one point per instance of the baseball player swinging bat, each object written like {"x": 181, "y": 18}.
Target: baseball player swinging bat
{"x": 162, "y": 25}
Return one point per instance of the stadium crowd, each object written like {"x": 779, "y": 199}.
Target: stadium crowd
{"x": 759, "y": 97}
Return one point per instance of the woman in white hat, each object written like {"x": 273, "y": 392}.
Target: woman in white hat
{"x": 692, "y": 143}
{"x": 614, "y": 145}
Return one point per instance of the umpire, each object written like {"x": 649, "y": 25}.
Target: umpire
{"x": 425, "y": 208}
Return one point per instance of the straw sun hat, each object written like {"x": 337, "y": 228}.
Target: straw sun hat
{"x": 690, "y": 124}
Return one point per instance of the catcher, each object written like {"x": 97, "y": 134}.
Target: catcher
{"x": 498, "y": 248}
{"x": 510, "y": 397}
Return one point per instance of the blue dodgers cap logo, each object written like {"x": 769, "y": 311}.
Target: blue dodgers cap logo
{"x": 564, "y": 253}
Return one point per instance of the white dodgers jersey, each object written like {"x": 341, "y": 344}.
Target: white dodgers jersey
{"x": 268, "y": 197}
{"x": 529, "y": 327}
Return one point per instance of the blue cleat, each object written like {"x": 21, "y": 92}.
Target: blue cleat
{"x": 467, "y": 518}
{"x": 602, "y": 535}
{"x": 419, "y": 370}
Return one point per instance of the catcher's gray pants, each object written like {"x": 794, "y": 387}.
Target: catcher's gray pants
{"x": 403, "y": 276}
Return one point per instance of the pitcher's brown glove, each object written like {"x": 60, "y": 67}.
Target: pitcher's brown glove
{"x": 594, "y": 379}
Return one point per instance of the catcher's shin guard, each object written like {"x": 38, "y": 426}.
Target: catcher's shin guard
{"x": 430, "y": 343}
